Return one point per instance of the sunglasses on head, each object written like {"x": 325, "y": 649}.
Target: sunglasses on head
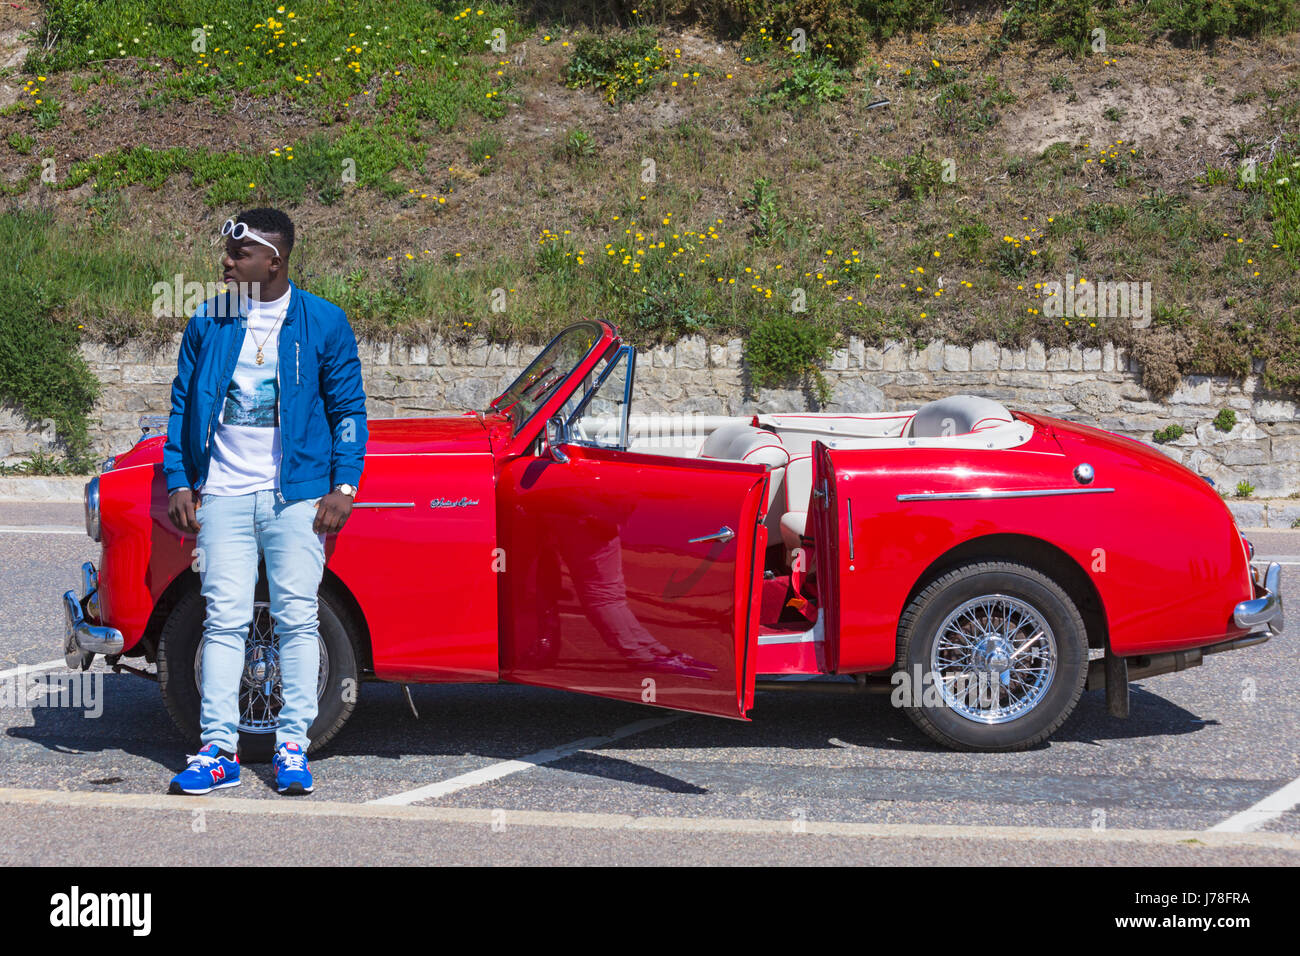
{"x": 240, "y": 230}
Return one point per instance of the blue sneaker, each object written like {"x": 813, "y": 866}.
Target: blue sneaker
{"x": 291, "y": 773}
{"x": 206, "y": 771}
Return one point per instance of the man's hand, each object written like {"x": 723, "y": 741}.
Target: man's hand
{"x": 331, "y": 512}
{"x": 180, "y": 509}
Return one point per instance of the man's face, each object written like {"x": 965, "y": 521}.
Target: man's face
{"x": 247, "y": 261}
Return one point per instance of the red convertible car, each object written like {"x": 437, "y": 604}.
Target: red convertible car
{"x": 962, "y": 558}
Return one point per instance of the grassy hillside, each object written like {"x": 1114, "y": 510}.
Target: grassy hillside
{"x": 791, "y": 172}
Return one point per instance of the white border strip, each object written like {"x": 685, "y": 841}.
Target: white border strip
{"x": 306, "y": 807}
{"x": 504, "y": 769}
{"x": 43, "y": 529}
{"x": 1268, "y": 809}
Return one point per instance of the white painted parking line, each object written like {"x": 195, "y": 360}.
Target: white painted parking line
{"x": 29, "y": 668}
{"x": 43, "y": 529}
{"x": 1270, "y": 808}
{"x": 504, "y": 769}
{"x": 485, "y": 816}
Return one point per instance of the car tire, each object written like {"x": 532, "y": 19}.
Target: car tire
{"x": 1011, "y": 650}
{"x": 178, "y": 647}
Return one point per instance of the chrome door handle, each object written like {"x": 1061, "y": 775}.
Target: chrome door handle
{"x": 722, "y": 534}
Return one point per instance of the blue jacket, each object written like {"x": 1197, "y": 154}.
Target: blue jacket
{"x": 323, "y": 429}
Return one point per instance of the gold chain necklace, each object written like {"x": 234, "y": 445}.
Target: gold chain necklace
{"x": 268, "y": 335}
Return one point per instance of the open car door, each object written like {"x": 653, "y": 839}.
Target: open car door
{"x": 632, "y": 576}
{"x": 824, "y": 521}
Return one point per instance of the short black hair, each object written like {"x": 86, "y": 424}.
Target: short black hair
{"x": 265, "y": 221}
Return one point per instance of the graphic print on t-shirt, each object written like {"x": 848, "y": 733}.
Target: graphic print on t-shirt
{"x": 246, "y": 442}
{"x": 252, "y": 402}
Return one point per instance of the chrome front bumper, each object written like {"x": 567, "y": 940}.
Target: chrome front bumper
{"x": 81, "y": 639}
{"x": 1265, "y": 609}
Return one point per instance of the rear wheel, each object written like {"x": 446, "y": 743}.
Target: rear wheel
{"x": 260, "y": 691}
{"x": 994, "y": 656}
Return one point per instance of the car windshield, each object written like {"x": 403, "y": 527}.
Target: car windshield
{"x": 538, "y": 382}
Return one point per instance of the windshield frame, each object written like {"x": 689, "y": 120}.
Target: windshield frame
{"x": 619, "y": 352}
{"x": 526, "y": 417}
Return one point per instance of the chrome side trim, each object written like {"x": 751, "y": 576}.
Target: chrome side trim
{"x": 1266, "y": 609}
{"x": 383, "y": 504}
{"x": 849, "y": 503}
{"x": 992, "y": 493}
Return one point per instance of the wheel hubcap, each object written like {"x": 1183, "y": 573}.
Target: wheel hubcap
{"x": 260, "y": 691}
{"x": 994, "y": 658}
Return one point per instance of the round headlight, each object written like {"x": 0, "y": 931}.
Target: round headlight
{"x": 92, "y": 508}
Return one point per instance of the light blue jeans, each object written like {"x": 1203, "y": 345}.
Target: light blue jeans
{"x": 234, "y": 529}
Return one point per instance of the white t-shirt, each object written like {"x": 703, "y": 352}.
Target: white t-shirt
{"x": 246, "y": 439}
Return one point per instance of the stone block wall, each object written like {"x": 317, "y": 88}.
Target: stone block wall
{"x": 1099, "y": 386}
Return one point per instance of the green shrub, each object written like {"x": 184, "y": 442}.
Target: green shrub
{"x": 969, "y": 237}
{"x": 1280, "y": 182}
{"x": 1204, "y": 21}
{"x": 41, "y": 370}
{"x": 809, "y": 83}
{"x": 1067, "y": 24}
{"x": 578, "y": 145}
{"x": 1225, "y": 420}
{"x": 620, "y": 65}
{"x": 484, "y": 147}
{"x": 920, "y": 176}
{"x": 1244, "y": 489}
{"x": 769, "y": 227}
{"x": 839, "y": 29}
{"x": 783, "y": 349}
{"x": 1165, "y": 435}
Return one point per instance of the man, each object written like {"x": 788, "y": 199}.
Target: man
{"x": 265, "y": 446}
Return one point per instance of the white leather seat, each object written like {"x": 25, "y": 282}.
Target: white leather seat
{"x": 956, "y": 415}
{"x": 798, "y": 495}
{"x": 745, "y": 442}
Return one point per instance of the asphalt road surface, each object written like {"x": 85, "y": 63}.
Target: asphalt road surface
{"x": 1205, "y": 771}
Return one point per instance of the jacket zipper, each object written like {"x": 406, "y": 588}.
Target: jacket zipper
{"x": 207, "y": 442}
{"x": 279, "y": 397}
{"x": 295, "y": 364}
{"x": 279, "y": 464}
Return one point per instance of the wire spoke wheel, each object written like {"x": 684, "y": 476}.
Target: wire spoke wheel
{"x": 1002, "y": 651}
{"x": 994, "y": 658}
{"x": 261, "y": 692}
